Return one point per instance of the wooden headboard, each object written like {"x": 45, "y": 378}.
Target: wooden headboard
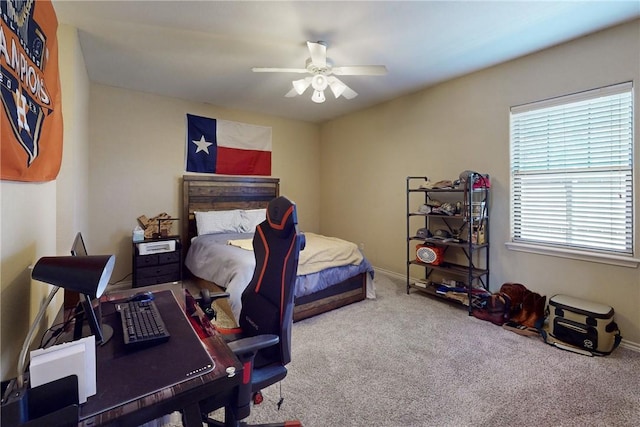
{"x": 215, "y": 193}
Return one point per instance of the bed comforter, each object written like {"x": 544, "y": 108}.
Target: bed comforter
{"x": 226, "y": 260}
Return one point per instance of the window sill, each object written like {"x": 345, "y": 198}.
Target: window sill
{"x": 618, "y": 260}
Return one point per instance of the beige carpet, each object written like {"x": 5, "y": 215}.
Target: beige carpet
{"x": 411, "y": 360}
{"x": 224, "y": 318}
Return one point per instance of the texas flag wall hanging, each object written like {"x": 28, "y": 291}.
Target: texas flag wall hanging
{"x": 31, "y": 123}
{"x": 227, "y": 148}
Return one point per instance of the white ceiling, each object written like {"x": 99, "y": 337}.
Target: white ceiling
{"x": 204, "y": 50}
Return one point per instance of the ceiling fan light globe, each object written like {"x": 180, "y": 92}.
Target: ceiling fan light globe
{"x": 319, "y": 82}
{"x": 318, "y": 97}
{"x": 337, "y": 87}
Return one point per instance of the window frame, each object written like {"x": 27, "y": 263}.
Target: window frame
{"x": 567, "y": 250}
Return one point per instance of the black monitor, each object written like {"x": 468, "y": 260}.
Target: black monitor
{"x": 85, "y": 308}
{"x": 78, "y": 248}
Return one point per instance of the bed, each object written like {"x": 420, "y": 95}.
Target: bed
{"x": 212, "y": 260}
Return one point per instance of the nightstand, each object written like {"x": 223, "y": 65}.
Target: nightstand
{"x": 157, "y": 261}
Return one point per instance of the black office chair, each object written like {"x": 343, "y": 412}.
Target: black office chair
{"x": 262, "y": 343}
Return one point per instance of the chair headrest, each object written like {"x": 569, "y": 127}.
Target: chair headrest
{"x": 281, "y": 214}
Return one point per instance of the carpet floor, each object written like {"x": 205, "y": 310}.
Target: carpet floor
{"x": 411, "y": 360}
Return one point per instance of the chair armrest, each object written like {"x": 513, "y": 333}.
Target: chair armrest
{"x": 253, "y": 344}
{"x": 206, "y": 294}
{"x": 218, "y": 295}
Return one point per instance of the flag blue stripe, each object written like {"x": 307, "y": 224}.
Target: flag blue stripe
{"x": 200, "y": 161}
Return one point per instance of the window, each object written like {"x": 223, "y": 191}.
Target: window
{"x": 572, "y": 172}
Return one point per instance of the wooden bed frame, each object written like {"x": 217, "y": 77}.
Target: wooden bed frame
{"x": 212, "y": 192}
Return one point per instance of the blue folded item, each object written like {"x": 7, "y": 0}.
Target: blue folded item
{"x": 444, "y": 289}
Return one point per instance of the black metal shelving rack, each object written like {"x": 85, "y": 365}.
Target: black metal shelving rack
{"x": 469, "y": 224}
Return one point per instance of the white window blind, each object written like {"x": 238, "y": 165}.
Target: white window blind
{"x": 572, "y": 171}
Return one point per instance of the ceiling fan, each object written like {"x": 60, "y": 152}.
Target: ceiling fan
{"x": 323, "y": 74}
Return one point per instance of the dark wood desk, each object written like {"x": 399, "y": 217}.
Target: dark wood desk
{"x": 182, "y": 396}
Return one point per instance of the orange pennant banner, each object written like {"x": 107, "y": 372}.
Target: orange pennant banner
{"x": 31, "y": 125}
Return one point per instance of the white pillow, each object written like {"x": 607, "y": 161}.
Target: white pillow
{"x": 212, "y": 222}
{"x": 251, "y": 218}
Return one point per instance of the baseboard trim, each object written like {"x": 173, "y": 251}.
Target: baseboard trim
{"x": 389, "y": 273}
{"x": 630, "y": 345}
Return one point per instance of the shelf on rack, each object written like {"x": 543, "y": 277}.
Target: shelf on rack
{"x": 460, "y": 270}
{"x": 432, "y": 289}
{"x": 437, "y": 190}
{"x": 444, "y": 190}
{"x": 435, "y": 215}
{"x": 448, "y": 243}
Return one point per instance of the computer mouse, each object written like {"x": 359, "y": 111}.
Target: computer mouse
{"x": 142, "y": 296}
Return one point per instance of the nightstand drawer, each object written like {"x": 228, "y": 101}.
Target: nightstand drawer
{"x": 169, "y": 257}
{"x": 156, "y": 280}
{"x": 158, "y": 270}
{"x": 146, "y": 260}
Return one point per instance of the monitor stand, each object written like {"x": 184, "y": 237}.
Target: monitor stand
{"x": 68, "y": 336}
{"x": 107, "y": 332}
{"x": 88, "y": 321}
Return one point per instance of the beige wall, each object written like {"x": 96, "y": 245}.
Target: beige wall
{"x": 73, "y": 179}
{"x": 137, "y": 145}
{"x": 40, "y": 219}
{"x": 464, "y": 124}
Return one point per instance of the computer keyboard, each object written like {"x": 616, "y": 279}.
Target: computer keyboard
{"x": 142, "y": 325}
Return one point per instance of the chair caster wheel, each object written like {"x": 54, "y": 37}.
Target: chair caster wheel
{"x": 205, "y": 304}
{"x": 257, "y": 398}
{"x": 210, "y": 313}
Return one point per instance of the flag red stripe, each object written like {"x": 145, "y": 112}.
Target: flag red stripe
{"x": 231, "y": 161}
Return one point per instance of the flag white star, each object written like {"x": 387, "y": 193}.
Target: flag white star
{"x": 203, "y": 145}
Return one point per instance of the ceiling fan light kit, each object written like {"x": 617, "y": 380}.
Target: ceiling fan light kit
{"x": 322, "y": 75}
{"x": 337, "y": 87}
{"x": 318, "y": 97}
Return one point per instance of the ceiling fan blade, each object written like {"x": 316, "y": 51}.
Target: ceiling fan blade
{"x": 318, "y": 54}
{"x": 292, "y": 93}
{"x": 278, "y": 70}
{"x": 301, "y": 85}
{"x": 349, "y": 93}
{"x": 360, "y": 70}
{"x": 339, "y": 88}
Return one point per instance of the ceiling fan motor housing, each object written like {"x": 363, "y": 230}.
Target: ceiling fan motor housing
{"x": 316, "y": 69}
